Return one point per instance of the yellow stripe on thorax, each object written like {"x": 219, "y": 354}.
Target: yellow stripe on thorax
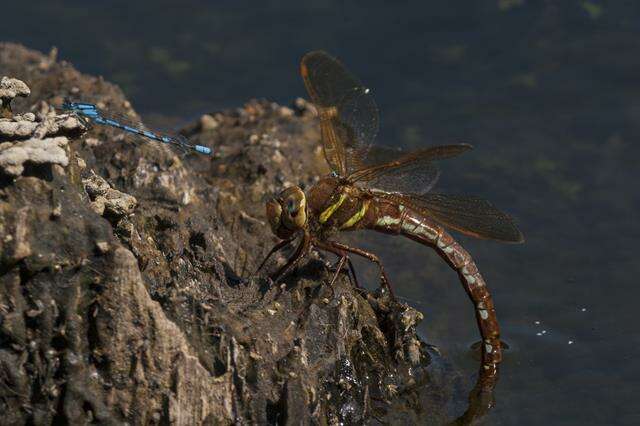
{"x": 356, "y": 217}
{"x": 326, "y": 214}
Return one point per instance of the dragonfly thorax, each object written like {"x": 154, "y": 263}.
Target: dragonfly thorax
{"x": 320, "y": 194}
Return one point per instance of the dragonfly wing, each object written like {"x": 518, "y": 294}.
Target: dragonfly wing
{"x": 469, "y": 215}
{"x": 383, "y": 172}
{"x": 348, "y": 114}
{"x": 395, "y": 171}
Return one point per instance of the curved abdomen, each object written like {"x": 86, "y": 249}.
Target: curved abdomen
{"x": 396, "y": 219}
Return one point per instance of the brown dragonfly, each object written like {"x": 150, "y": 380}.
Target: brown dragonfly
{"x": 385, "y": 190}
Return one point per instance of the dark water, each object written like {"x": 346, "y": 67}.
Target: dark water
{"x": 547, "y": 91}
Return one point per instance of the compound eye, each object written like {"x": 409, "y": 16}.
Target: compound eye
{"x": 274, "y": 214}
{"x": 292, "y": 207}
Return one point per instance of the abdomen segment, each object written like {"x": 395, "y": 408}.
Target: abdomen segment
{"x": 397, "y": 219}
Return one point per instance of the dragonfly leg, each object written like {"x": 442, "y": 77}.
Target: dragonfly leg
{"x": 353, "y": 279}
{"x": 343, "y": 257}
{"x": 341, "y": 262}
{"x": 353, "y": 272}
{"x": 367, "y": 255}
{"x": 301, "y": 251}
{"x": 274, "y": 249}
{"x": 84, "y": 120}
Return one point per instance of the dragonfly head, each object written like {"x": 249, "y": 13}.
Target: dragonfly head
{"x": 68, "y": 105}
{"x": 287, "y": 212}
